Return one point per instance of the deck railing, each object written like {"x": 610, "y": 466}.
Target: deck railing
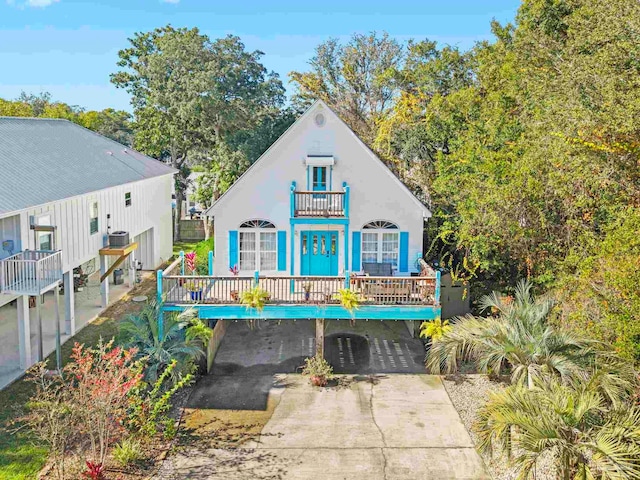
{"x": 178, "y": 289}
{"x": 319, "y": 204}
{"x": 31, "y": 272}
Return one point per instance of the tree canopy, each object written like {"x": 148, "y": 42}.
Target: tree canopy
{"x": 115, "y": 124}
{"x": 190, "y": 94}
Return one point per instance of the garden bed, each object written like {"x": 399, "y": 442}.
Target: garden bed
{"x": 468, "y": 393}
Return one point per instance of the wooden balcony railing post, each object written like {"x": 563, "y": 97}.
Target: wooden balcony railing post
{"x": 181, "y": 262}
{"x": 210, "y": 263}
{"x": 436, "y": 295}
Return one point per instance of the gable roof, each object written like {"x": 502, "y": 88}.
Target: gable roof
{"x": 316, "y": 104}
{"x": 44, "y": 160}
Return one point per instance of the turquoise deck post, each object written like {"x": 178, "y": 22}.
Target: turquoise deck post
{"x": 347, "y": 280}
{"x": 437, "y": 292}
{"x": 292, "y": 203}
{"x": 159, "y": 303}
{"x": 347, "y": 194}
{"x": 181, "y": 262}
{"x": 292, "y": 212}
{"x": 256, "y": 278}
{"x": 210, "y": 263}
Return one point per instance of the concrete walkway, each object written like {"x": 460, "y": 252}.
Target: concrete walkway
{"x": 380, "y": 427}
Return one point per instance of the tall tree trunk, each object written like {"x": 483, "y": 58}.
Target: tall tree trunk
{"x": 178, "y": 216}
{"x": 207, "y": 227}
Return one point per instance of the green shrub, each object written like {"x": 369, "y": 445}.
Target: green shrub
{"x": 147, "y": 414}
{"x": 202, "y": 260}
{"x": 128, "y": 451}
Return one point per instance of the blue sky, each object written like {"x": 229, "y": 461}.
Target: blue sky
{"x": 69, "y": 47}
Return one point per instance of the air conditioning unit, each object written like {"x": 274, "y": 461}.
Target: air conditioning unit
{"x": 119, "y": 239}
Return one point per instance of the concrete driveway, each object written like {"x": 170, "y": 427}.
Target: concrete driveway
{"x": 248, "y": 421}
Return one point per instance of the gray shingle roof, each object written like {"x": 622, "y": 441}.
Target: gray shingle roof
{"x": 44, "y": 160}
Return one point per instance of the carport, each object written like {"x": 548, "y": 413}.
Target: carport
{"x": 361, "y": 347}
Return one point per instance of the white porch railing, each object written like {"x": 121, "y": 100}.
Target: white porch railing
{"x": 31, "y": 272}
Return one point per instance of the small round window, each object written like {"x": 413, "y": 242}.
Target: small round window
{"x": 320, "y": 119}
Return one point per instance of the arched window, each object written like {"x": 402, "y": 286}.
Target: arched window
{"x": 258, "y": 245}
{"x": 257, "y": 224}
{"x": 380, "y": 243}
{"x": 379, "y": 225}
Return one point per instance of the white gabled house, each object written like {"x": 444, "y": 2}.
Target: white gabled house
{"x": 63, "y": 188}
{"x": 318, "y": 202}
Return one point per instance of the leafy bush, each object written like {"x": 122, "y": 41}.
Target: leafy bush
{"x": 602, "y": 297}
{"x": 202, "y": 256}
{"x": 128, "y": 451}
{"x": 435, "y": 329}
{"x": 318, "y": 369}
{"x": 87, "y": 403}
{"x": 149, "y": 404}
{"x": 99, "y": 380}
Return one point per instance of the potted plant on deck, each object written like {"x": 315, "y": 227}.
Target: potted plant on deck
{"x": 195, "y": 291}
{"x": 318, "y": 370}
{"x": 307, "y": 291}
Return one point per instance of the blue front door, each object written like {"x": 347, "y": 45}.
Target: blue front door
{"x": 319, "y": 253}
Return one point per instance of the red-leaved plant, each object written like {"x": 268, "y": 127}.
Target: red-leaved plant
{"x": 100, "y": 379}
{"x": 190, "y": 259}
{"x": 94, "y": 471}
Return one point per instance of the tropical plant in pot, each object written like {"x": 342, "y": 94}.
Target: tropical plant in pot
{"x": 195, "y": 290}
{"x": 307, "y": 291}
{"x": 318, "y": 370}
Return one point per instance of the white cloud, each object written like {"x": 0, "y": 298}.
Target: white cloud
{"x": 31, "y": 3}
{"x": 40, "y": 3}
{"x": 170, "y": 1}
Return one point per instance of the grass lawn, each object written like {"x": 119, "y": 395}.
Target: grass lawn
{"x": 21, "y": 457}
{"x": 184, "y": 246}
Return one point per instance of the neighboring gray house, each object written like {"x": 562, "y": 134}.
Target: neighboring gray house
{"x": 62, "y": 187}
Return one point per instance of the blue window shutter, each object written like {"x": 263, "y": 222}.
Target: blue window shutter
{"x": 233, "y": 248}
{"x": 282, "y": 250}
{"x": 355, "y": 257}
{"x": 403, "y": 262}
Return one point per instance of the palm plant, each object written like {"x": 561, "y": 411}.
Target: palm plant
{"x": 518, "y": 338}
{"x": 574, "y": 424}
{"x": 183, "y": 339}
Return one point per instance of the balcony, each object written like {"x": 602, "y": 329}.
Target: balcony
{"x": 319, "y": 204}
{"x": 32, "y": 272}
{"x": 301, "y": 297}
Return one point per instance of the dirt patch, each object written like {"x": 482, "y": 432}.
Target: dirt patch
{"x": 212, "y": 428}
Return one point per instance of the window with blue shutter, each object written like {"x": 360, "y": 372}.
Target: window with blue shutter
{"x": 233, "y": 248}
{"x": 355, "y": 258}
{"x": 403, "y": 261}
{"x": 282, "y": 250}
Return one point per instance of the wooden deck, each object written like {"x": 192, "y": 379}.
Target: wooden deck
{"x": 178, "y": 289}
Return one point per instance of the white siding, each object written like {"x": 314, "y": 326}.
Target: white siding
{"x": 264, "y": 191}
{"x": 150, "y": 209}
